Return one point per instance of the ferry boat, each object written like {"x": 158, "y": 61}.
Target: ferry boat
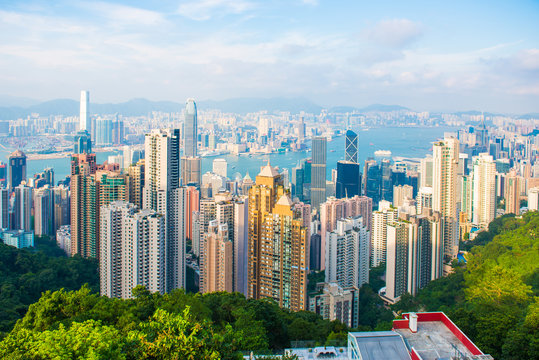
{"x": 381, "y": 153}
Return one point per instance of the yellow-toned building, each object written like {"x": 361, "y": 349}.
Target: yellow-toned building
{"x": 277, "y": 244}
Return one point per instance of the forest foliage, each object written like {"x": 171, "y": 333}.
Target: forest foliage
{"x": 493, "y": 298}
{"x": 26, "y": 273}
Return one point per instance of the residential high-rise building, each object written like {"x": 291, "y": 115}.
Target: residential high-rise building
{"x": 348, "y": 183}
{"x": 23, "y": 208}
{"x": 89, "y": 192}
{"x": 4, "y": 209}
{"x": 318, "y": 171}
{"x": 336, "y": 209}
{"x": 351, "y": 147}
{"x": 192, "y": 204}
{"x": 425, "y": 171}
{"x": 277, "y": 242}
{"x": 63, "y": 238}
{"x": 132, "y": 250}
{"x": 216, "y": 261}
{"x": 415, "y": 254}
{"x": 385, "y": 216}
{"x": 424, "y": 199}
{"x": 232, "y": 211}
{"x": 445, "y": 163}
{"x": 162, "y": 193}
{"x": 513, "y": 182}
{"x": 333, "y": 302}
{"x": 135, "y": 180}
{"x": 161, "y": 168}
{"x": 401, "y": 193}
{"x": 241, "y": 208}
{"x": 17, "y": 168}
{"x": 347, "y": 253}
{"x": 533, "y": 199}
{"x": 196, "y": 233}
{"x": 484, "y": 190}
{"x": 62, "y": 208}
{"x": 190, "y": 130}
{"x": 85, "y": 122}
{"x": 43, "y": 212}
{"x": 83, "y": 164}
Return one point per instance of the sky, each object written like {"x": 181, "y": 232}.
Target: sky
{"x": 426, "y": 55}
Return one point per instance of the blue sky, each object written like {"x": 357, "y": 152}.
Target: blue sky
{"x": 429, "y": 55}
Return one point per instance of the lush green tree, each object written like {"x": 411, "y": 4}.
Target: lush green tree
{"x": 26, "y": 273}
{"x": 174, "y": 336}
{"x": 87, "y": 340}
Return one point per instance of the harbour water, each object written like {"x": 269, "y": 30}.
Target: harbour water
{"x": 401, "y": 141}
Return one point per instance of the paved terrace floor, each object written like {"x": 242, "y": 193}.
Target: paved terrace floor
{"x": 433, "y": 341}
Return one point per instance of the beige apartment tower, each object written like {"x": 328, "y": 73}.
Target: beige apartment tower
{"x": 216, "y": 261}
{"x": 277, "y": 244}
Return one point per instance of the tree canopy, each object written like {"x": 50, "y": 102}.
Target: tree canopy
{"x": 494, "y": 298}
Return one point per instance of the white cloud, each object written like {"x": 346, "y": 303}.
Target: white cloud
{"x": 528, "y": 60}
{"x": 310, "y": 2}
{"x": 394, "y": 33}
{"x": 124, "y": 15}
{"x": 206, "y": 9}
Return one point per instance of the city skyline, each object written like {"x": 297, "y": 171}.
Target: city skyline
{"x": 420, "y": 55}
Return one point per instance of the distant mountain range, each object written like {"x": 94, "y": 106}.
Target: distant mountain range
{"x": 14, "y": 108}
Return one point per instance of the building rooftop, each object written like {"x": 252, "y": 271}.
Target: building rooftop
{"x": 268, "y": 171}
{"x": 285, "y": 200}
{"x": 17, "y": 153}
{"x": 377, "y": 345}
{"x": 435, "y": 336}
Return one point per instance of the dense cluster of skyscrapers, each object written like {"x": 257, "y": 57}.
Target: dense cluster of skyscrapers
{"x": 152, "y": 215}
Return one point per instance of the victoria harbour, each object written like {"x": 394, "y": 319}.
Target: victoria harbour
{"x": 410, "y": 142}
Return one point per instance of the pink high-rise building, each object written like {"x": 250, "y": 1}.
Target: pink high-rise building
{"x": 192, "y": 204}
{"x": 335, "y": 209}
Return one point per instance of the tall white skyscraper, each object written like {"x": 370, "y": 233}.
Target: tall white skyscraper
{"x": 132, "y": 250}
{"x": 347, "y": 253}
{"x": 190, "y": 129}
{"x": 380, "y": 220}
{"x": 445, "y": 163}
{"x": 484, "y": 190}
{"x": 163, "y": 195}
{"x": 414, "y": 254}
{"x": 85, "y": 122}
{"x": 533, "y": 199}
{"x": 424, "y": 199}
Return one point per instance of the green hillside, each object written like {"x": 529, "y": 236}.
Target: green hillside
{"x": 495, "y": 298}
